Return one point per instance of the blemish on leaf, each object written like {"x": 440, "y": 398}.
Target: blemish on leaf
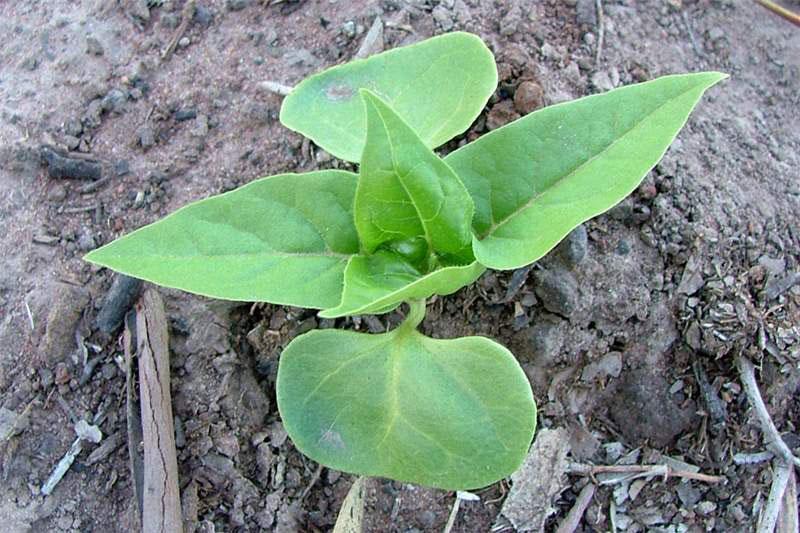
{"x": 333, "y": 439}
{"x": 339, "y": 92}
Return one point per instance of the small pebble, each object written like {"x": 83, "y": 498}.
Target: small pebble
{"x": 528, "y": 97}
{"x": 184, "y": 42}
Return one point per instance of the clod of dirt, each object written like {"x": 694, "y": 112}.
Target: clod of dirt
{"x": 119, "y": 299}
{"x": 61, "y": 165}
{"x": 66, "y": 307}
{"x": 558, "y": 290}
{"x": 645, "y": 411}
{"x": 501, "y": 114}
{"x": 528, "y": 97}
{"x": 545, "y": 339}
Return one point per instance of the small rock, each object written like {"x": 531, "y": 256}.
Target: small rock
{"x": 62, "y": 373}
{"x": 501, "y": 114}
{"x": 73, "y": 127}
{"x": 203, "y": 15}
{"x": 65, "y": 309}
{"x": 550, "y": 52}
{"x": 61, "y": 165}
{"x": 46, "y": 377}
{"x": 122, "y": 167}
{"x": 443, "y": 17}
{"x": 185, "y": 114}
{"x": 93, "y": 46}
{"x": 71, "y": 142}
{"x": 586, "y": 12}
{"x": 86, "y": 241}
{"x": 572, "y": 250}
{"x": 608, "y": 365}
{"x": 545, "y": 339}
{"x": 705, "y": 508}
{"x": 119, "y": 299}
{"x": 146, "y": 136}
{"x": 528, "y": 97}
{"x": 58, "y": 193}
{"x": 427, "y": 519}
{"x": 236, "y": 5}
{"x": 139, "y": 9}
{"x": 109, "y": 371}
{"x": 200, "y": 126}
{"x": 602, "y": 81}
{"x": 184, "y": 42}
{"x": 227, "y": 444}
{"x": 558, "y": 290}
{"x": 170, "y": 20}
{"x": 688, "y": 494}
{"x": 349, "y": 29}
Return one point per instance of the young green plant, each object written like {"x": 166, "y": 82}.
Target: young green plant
{"x": 448, "y": 413}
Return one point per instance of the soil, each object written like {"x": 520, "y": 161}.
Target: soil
{"x": 627, "y": 331}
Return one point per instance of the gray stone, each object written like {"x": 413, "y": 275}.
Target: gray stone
{"x": 610, "y": 365}
{"x": 146, "y": 136}
{"x": 443, "y": 17}
{"x": 557, "y": 288}
{"x": 688, "y": 494}
{"x": 545, "y": 339}
{"x": 236, "y": 5}
{"x": 93, "y": 46}
{"x": 572, "y": 250}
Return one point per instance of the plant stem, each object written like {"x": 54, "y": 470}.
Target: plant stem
{"x": 416, "y": 313}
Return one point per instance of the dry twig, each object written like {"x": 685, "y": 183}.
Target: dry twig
{"x": 601, "y": 31}
{"x": 791, "y": 16}
{"x": 647, "y": 470}
{"x": 780, "y": 477}
{"x": 787, "y": 520}
{"x": 276, "y": 87}
{"x": 186, "y": 19}
{"x": 573, "y": 519}
{"x": 772, "y": 438}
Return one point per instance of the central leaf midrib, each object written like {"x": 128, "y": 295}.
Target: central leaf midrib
{"x": 578, "y": 168}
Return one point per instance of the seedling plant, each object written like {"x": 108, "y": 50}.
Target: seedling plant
{"x": 448, "y": 413}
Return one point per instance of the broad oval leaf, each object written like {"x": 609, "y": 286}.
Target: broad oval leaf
{"x": 285, "y": 239}
{"x": 454, "y": 414}
{"x": 378, "y": 283}
{"x": 438, "y": 86}
{"x": 539, "y": 177}
{"x": 405, "y": 190}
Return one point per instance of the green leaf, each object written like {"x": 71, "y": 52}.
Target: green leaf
{"x": 378, "y": 283}
{"x": 405, "y": 190}
{"x": 453, "y": 414}
{"x": 539, "y": 177}
{"x": 438, "y": 86}
{"x": 285, "y": 239}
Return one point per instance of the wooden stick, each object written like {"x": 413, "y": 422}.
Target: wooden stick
{"x": 186, "y": 17}
{"x": 791, "y": 16}
{"x": 161, "y": 506}
{"x": 655, "y": 470}
{"x": 575, "y": 515}
{"x": 780, "y": 477}
{"x": 787, "y": 520}
{"x": 601, "y": 31}
{"x": 134, "y": 419}
{"x": 771, "y": 436}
